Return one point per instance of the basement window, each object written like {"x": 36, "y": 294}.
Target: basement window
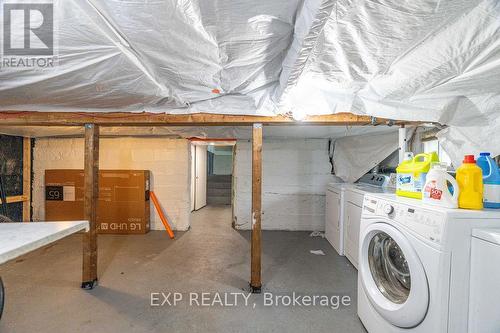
{"x": 431, "y": 145}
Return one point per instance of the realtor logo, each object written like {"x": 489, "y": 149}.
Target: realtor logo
{"x": 28, "y": 29}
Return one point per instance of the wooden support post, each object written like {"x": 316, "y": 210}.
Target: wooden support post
{"x": 256, "y": 282}
{"x": 91, "y": 192}
{"x": 27, "y": 179}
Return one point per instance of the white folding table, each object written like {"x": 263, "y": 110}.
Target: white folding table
{"x": 17, "y": 239}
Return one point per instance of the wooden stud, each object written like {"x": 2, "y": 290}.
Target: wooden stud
{"x": 31, "y": 118}
{"x": 16, "y": 198}
{"x": 233, "y": 187}
{"x": 256, "y": 250}
{"x": 91, "y": 192}
{"x": 27, "y": 179}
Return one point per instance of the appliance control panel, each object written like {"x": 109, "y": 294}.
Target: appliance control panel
{"x": 374, "y": 179}
{"x": 426, "y": 223}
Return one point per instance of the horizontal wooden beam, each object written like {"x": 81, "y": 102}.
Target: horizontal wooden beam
{"x": 196, "y": 139}
{"x": 16, "y": 198}
{"x": 31, "y": 118}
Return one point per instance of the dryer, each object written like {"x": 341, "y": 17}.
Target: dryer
{"x": 334, "y": 216}
{"x": 343, "y": 212}
{"x": 484, "y": 290}
{"x": 414, "y": 265}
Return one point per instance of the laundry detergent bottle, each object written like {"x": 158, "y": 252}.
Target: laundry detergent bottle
{"x": 491, "y": 181}
{"x": 440, "y": 188}
{"x": 411, "y": 174}
{"x": 470, "y": 184}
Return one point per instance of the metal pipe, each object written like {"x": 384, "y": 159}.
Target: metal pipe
{"x": 402, "y": 142}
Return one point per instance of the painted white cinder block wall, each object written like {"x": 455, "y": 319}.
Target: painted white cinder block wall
{"x": 295, "y": 176}
{"x": 167, "y": 159}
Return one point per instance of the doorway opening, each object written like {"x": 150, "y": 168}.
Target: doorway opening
{"x": 211, "y": 173}
{"x": 219, "y": 175}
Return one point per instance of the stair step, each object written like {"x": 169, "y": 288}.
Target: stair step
{"x": 220, "y": 178}
{"x": 219, "y": 185}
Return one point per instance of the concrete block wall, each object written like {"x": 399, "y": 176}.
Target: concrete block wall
{"x": 167, "y": 159}
{"x": 295, "y": 176}
{"x": 223, "y": 164}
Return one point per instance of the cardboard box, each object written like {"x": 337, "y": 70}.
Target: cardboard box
{"x": 123, "y": 206}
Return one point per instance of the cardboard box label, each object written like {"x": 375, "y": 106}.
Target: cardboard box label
{"x": 60, "y": 193}
{"x": 54, "y": 193}
{"x": 113, "y": 226}
{"x": 69, "y": 193}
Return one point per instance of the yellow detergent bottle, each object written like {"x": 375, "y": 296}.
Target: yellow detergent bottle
{"x": 470, "y": 182}
{"x": 411, "y": 175}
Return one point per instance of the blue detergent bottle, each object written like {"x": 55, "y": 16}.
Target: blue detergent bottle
{"x": 491, "y": 181}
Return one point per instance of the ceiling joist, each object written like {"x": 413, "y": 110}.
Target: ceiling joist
{"x": 32, "y": 118}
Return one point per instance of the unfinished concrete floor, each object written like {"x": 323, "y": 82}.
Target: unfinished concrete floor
{"x": 43, "y": 293}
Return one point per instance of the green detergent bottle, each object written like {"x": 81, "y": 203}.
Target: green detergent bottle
{"x": 411, "y": 175}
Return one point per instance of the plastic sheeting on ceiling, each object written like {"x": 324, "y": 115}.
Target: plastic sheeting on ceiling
{"x": 413, "y": 60}
{"x": 425, "y": 60}
{"x": 158, "y": 55}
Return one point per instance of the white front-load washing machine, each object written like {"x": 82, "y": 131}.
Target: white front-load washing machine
{"x": 352, "y": 208}
{"x": 414, "y": 263}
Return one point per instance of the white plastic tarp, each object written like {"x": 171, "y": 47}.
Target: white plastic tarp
{"x": 424, "y": 60}
{"x": 460, "y": 141}
{"x": 356, "y": 155}
{"x": 159, "y": 55}
{"x": 418, "y": 60}
{"x": 413, "y": 60}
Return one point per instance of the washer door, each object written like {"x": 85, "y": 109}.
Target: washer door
{"x": 392, "y": 276}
